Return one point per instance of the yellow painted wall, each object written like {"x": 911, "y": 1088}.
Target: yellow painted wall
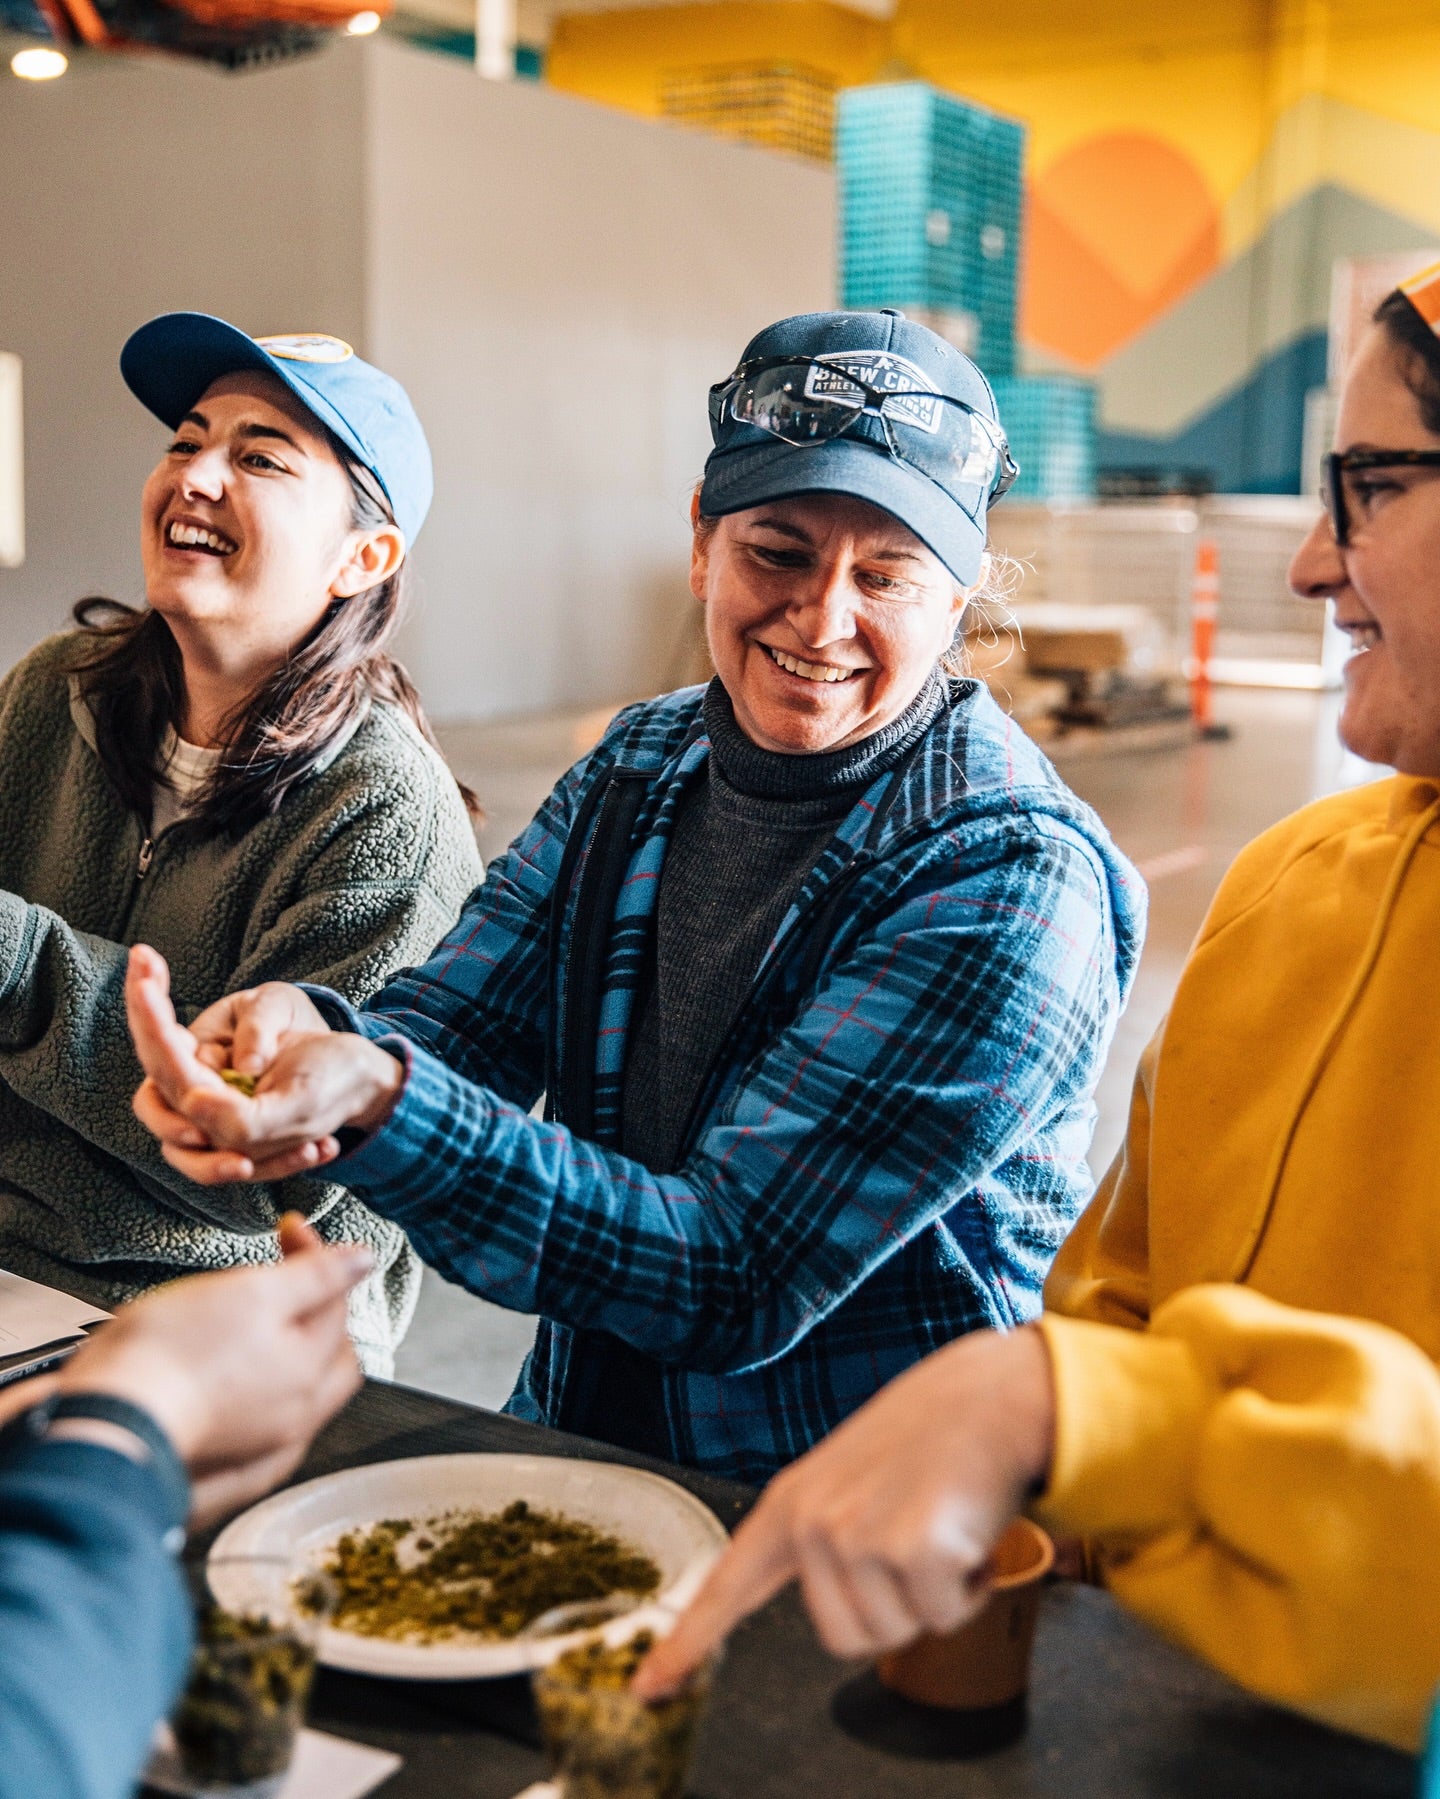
{"x": 621, "y": 57}
{"x": 1212, "y": 78}
{"x": 1165, "y": 140}
{"x": 1192, "y": 76}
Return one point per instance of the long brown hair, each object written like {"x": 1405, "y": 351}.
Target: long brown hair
{"x": 132, "y": 678}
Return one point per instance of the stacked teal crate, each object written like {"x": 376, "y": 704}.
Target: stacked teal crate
{"x": 931, "y": 193}
{"x": 1050, "y": 423}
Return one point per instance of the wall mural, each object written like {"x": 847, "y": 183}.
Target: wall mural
{"x": 1194, "y": 174}
{"x": 1117, "y": 230}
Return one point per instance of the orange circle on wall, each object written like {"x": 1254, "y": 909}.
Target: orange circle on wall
{"x": 1117, "y": 230}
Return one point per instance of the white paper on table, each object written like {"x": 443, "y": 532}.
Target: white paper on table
{"x": 543, "y": 1789}
{"x": 324, "y": 1767}
{"x": 33, "y": 1315}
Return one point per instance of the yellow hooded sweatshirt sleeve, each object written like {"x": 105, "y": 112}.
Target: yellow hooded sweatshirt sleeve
{"x": 1256, "y": 1447}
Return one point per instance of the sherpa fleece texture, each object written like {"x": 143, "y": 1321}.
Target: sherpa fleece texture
{"x": 361, "y": 871}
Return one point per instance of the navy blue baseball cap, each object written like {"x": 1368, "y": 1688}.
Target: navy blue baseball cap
{"x": 169, "y": 363}
{"x": 952, "y": 459}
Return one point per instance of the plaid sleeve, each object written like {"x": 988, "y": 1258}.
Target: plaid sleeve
{"x": 946, "y": 1035}
{"x": 480, "y": 1002}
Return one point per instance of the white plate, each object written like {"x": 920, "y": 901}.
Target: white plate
{"x": 682, "y": 1536}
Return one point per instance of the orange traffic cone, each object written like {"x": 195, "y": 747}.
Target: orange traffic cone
{"x": 1204, "y": 612}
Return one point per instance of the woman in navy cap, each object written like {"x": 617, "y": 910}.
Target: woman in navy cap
{"x": 816, "y": 966}
{"x": 238, "y": 773}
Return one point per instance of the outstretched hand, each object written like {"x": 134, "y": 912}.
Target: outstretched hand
{"x": 239, "y": 1368}
{"x": 310, "y": 1081}
{"x": 889, "y": 1524}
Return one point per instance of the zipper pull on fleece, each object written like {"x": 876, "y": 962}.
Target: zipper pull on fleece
{"x": 147, "y": 852}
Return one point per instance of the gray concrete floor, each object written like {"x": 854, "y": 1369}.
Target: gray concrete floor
{"x": 1181, "y": 814}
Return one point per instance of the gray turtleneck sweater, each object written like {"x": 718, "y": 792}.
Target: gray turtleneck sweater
{"x": 749, "y": 831}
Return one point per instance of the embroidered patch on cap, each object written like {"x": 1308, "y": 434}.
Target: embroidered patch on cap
{"x": 1423, "y": 293}
{"x": 909, "y": 399}
{"x": 894, "y": 375}
{"x": 307, "y": 346}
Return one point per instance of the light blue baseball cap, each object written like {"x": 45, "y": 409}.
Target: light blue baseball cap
{"x": 169, "y": 362}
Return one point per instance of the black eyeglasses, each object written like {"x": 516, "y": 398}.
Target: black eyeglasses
{"x": 1340, "y": 463}
{"x": 806, "y": 400}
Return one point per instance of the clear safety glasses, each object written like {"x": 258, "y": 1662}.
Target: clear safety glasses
{"x": 811, "y": 400}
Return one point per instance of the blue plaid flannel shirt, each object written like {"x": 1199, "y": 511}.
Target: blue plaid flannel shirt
{"x": 891, "y": 1157}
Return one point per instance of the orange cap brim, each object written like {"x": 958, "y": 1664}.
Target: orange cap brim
{"x": 1423, "y": 293}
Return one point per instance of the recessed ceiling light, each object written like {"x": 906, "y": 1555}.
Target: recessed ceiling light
{"x": 38, "y": 64}
{"x": 363, "y": 24}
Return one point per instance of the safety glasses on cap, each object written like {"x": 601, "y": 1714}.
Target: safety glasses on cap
{"x": 1340, "y": 463}
{"x": 813, "y": 399}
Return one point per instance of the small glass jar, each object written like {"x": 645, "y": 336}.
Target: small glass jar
{"x": 243, "y": 1708}
{"x": 602, "y": 1741}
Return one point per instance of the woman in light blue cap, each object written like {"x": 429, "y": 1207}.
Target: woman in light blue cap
{"x": 239, "y": 770}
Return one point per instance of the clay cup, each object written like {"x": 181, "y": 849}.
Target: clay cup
{"x": 986, "y": 1663}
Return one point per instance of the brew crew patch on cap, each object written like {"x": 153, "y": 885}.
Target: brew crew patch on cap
{"x": 1423, "y": 293}
{"x": 882, "y": 369}
{"x": 307, "y": 346}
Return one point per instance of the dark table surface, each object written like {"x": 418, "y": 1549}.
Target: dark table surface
{"x": 1115, "y": 1712}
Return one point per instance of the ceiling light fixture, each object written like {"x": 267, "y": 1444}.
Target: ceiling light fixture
{"x": 38, "y": 64}
{"x": 363, "y": 24}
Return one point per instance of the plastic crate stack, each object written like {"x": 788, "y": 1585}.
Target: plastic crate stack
{"x": 784, "y": 106}
{"x": 1050, "y": 422}
{"x": 930, "y": 199}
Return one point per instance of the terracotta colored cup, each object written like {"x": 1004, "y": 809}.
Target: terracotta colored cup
{"x": 986, "y": 1663}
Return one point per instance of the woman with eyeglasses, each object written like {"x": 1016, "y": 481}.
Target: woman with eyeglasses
{"x": 238, "y": 773}
{"x": 1233, "y": 1393}
{"x": 816, "y": 968}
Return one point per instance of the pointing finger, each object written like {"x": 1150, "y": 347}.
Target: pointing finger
{"x": 315, "y": 1278}
{"x": 758, "y": 1563}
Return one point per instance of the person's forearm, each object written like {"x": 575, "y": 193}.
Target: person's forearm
{"x": 512, "y": 1208}
{"x": 491, "y": 1051}
{"x": 92, "y": 1614}
{"x": 1263, "y": 1484}
{"x": 797, "y": 1189}
{"x": 480, "y": 996}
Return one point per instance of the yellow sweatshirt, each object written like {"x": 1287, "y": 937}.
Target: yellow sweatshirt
{"x": 1257, "y": 1450}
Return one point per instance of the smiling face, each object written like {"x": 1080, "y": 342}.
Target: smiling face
{"x": 246, "y": 524}
{"x": 1386, "y": 582}
{"x": 825, "y": 617}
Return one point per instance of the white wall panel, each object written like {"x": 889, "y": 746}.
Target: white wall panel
{"x": 12, "y": 461}
{"x": 132, "y": 186}
{"x": 557, "y": 285}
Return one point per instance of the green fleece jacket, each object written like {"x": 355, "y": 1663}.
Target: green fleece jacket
{"x": 361, "y": 871}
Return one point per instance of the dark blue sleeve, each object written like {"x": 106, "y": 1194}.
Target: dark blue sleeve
{"x": 94, "y": 1622}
